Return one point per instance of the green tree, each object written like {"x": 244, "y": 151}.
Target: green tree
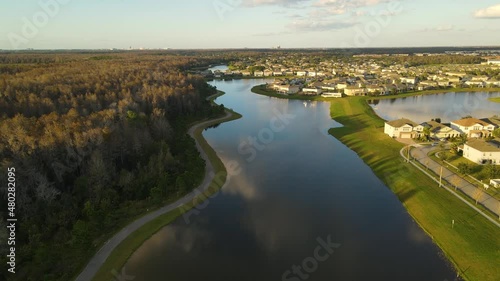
{"x": 496, "y": 133}
{"x": 492, "y": 171}
{"x": 464, "y": 168}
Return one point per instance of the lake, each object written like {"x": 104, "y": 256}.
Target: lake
{"x": 447, "y": 106}
{"x": 301, "y": 198}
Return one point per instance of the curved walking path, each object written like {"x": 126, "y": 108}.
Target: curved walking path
{"x": 421, "y": 156}
{"x": 100, "y": 257}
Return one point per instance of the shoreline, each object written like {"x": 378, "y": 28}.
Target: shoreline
{"x": 431, "y": 208}
{"x": 115, "y": 253}
{"x": 260, "y": 90}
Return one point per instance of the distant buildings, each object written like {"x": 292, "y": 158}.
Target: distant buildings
{"x": 494, "y": 61}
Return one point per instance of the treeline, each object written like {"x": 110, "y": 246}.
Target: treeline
{"x": 95, "y": 142}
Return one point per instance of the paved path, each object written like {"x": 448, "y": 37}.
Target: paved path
{"x": 420, "y": 154}
{"x": 100, "y": 257}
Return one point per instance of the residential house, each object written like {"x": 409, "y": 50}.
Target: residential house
{"x": 331, "y": 95}
{"x": 312, "y": 91}
{"x": 287, "y": 89}
{"x": 494, "y": 61}
{"x": 268, "y": 73}
{"x": 493, "y": 83}
{"x": 375, "y": 89}
{"x": 473, "y": 128}
{"x": 301, "y": 73}
{"x": 482, "y": 152}
{"x": 441, "y": 131}
{"x": 407, "y": 80}
{"x": 427, "y": 84}
{"x": 355, "y": 91}
{"x": 403, "y": 128}
{"x": 258, "y": 73}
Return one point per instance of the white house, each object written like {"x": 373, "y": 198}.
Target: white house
{"x": 302, "y": 73}
{"x": 355, "y": 91}
{"x": 474, "y": 128}
{"x": 482, "y": 152}
{"x": 403, "y": 128}
{"x": 494, "y": 61}
{"x": 286, "y": 89}
{"x": 407, "y": 80}
{"x": 312, "y": 91}
{"x": 332, "y": 95}
{"x": 258, "y": 73}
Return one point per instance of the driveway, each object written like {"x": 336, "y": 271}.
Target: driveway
{"x": 420, "y": 153}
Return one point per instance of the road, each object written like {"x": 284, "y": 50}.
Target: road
{"x": 420, "y": 153}
{"x": 100, "y": 257}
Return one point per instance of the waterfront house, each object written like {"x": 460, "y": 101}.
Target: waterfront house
{"x": 312, "y": 91}
{"x": 355, "y": 91}
{"x": 440, "y": 131}
{"x": 332, "y": 95}
{"x": 403, "y": 128}
{"x": 482, "y": 152}
{"x": 473, "y": 128}
{"x": 286, "y": 89}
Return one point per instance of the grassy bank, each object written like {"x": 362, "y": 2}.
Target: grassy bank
{"x": 495, "y": 100}
{"x": 122, "y": 253}
{"x": 469, "y": 244}
{"x": 472, "y": 245}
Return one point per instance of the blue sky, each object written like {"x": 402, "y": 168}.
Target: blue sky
{"x": 93, "y": 24}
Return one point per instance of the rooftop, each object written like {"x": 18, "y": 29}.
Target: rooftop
{"x": 484, "y": 146}
{"x": 467, "y": 122}
{"x": 401, "y": 122}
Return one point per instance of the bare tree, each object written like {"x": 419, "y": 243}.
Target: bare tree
{"x": 478, "y": 194}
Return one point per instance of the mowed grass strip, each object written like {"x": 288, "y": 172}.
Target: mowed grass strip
{"x": 473, "y": 245}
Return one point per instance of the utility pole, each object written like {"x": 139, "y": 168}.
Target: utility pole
{"x": 441, "y": 177}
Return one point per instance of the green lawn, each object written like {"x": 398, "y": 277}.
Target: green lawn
{"x": 122, "y": 253}
{"x": 477, "y": 171}
{"x": 495, "y": 99}
{"x": 472, "y": 245}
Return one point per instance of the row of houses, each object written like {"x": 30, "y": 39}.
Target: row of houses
{"x": 471, "y": 127}
{"x": 476, "y": 149}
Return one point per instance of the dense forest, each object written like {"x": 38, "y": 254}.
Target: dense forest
{"x": 95, "y": 140}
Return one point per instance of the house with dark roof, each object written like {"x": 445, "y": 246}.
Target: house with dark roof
{"x": 440, "y": 131}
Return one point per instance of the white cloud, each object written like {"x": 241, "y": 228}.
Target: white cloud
{"x": 318, "y": 25}
{"x": 492, "y": 12}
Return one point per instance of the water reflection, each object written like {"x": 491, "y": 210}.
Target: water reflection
{"x": 448, "y": 107}
{"x": 301, "y": 186}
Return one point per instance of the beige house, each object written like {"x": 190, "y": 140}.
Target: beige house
{"x": 474, "y": 128}
{"x": 286, "y": 89}
{"x": 312, "y": 91}
{"x": 355, "y": 91}
{"x": 482, "y": 152}
{"x": 403, "y": 128}
{"x": 440, "y": 131}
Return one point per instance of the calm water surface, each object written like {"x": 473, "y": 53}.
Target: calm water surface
{"x": 302, "y": 185}
{"x": 448, "y": 107}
